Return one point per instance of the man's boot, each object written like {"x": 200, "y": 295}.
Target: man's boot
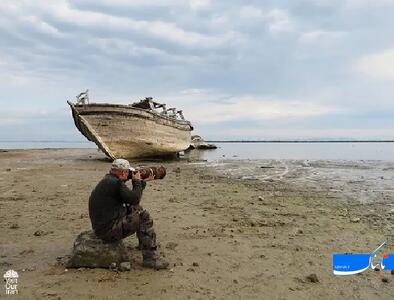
{"x": 153, "y": 261}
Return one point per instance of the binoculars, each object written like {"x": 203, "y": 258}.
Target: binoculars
{"x": 158, "y": 172}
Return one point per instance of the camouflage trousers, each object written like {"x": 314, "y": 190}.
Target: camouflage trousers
{"x": 138, "y": 221}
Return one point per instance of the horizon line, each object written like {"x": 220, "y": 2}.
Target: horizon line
{"x": 230, "y": 141}
{"x": 300, "y": 141}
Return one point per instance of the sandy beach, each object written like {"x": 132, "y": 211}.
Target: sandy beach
{"x": 232, "y": 229}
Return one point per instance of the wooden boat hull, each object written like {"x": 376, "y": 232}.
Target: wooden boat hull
{"x": 123, "y": 131}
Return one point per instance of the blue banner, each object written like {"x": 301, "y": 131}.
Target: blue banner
{"x": 350, "y": 264}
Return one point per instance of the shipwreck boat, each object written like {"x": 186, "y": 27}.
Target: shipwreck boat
{"x": 142, "y": 129}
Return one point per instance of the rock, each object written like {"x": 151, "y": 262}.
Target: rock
{"x": 5, "y": 264}
{"x": 195, "y": 264}
{"x": 171, "y": 245}
{"x": 261, "y": 198}
{"x": 28, "y": 269}
{"x": 190, "y": 270}
{"x": 312, "y": 278}
{"x": 14, "y": 226}
{"x": 385, "y": 279}
{"x": 392, "y": 272}
{"x": 355, "y": 220}
{"x": 8, "y": 169}
{"x": 206, "y": 177}
{"x": 197, "y": 142}
{"x": 26, "y": 252}
{"x": 91, "y": 252}
{"x": 125, "y": 266}
{"x": 206, "y": 146}
{"x": 299, "y": 231}
{"x": 39, "y": 233}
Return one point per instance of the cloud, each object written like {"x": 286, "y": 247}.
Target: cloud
{"x": 251, "y": 13}
{"x": 321, "y": 37}
{"x": 26, "y": 116}
{"x": 288, "y": 133}
{"x": 276, "y": 20}
{"x": 246, "y": 107}
{"x": 61, "y": 11}
{"x": 225, "y": 63}
{"x": 279, "y": 21}
{"x": 379, "y": 65}
{"x": 209, "y": 106}
{"x": 159, "y": 29}
{"x": 352, "y": 4}
{"x": 199, "y": 4}
{"x": 192, "y": 4}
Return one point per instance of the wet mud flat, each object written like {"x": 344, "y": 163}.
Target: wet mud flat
{"x": 232, "y": 229}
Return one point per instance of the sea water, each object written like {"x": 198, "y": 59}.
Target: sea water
{"x": 303, "y": 151}
{"x": 264, "y": 150}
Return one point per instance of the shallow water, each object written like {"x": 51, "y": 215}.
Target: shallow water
{"x": 300, "y": 151}
{"x": 284, "y": 150}
{"x": 356, "y": 181}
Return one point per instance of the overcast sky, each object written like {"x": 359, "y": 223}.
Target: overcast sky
{"x": 238, "y": 69}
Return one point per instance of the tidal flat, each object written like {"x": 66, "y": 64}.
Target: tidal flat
{"x": 232, "y": 229}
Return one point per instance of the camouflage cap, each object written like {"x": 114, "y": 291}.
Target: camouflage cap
{"x": 120, "y": 164}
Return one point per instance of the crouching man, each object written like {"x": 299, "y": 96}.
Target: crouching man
{"x": 115, "y": 212}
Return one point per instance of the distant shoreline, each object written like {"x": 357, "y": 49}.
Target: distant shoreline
{"x": 222, "y": 141}
{"x": 304, "y": 141}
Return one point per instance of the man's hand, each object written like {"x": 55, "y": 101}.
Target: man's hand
{"x": 151, "y": 177}
{"x": 136, "y": 175}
